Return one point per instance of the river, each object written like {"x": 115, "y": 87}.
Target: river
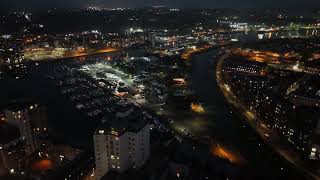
{"x": 228, "y": 129}
{"x": 217, "y": 124}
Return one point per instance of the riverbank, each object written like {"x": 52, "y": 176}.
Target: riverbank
{"x": 252, "y": 120}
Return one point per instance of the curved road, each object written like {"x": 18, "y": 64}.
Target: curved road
{"x": 230, "y": 129}
{"x": 252, "y": 121}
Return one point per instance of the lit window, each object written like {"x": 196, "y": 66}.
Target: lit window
{"x": 312, "y": 155}
{"x": 101, "y": 131}
{"x": 112, "y": 156}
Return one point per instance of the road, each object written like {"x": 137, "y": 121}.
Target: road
{"x": 253, "y": 120}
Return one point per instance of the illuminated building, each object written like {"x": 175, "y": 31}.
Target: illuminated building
{"x": 10, "y": 51}
{"x": 12, "y": 57}
{"x": 122, "y": 142}
{"x": 30, "y": 118}
{"x": 314, "y": 148}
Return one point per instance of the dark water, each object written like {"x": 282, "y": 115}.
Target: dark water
{"x": 228, "y": 128}
{"x": 252, "y": 36}
{"x": 73, "y": 127}
{"x": 65, "y": 123}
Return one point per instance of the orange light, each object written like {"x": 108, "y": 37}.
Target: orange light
{"x": 42, "y": 165}
{"x": 187, "y": 54}
{"x": 223, "y": 152}
{"x": 196, "y": 107}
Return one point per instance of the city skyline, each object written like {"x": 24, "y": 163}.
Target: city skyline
{"x": 170, "y": 3}
{"x": 160, "y": 92}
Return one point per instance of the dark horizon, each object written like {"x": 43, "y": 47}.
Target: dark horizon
{"x": 159, "y": 89}
{"x": 210, "y": 4}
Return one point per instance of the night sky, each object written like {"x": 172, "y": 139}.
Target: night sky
{"x": 171, "y": 3}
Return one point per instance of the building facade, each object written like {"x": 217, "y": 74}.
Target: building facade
{"x": 31, "y": 120}
{"x": 121, "y": 143}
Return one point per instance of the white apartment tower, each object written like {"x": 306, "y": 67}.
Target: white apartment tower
{"x": 122, "y": 142}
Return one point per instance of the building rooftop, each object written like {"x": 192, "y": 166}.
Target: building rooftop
{"x": 126, "y": 117}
